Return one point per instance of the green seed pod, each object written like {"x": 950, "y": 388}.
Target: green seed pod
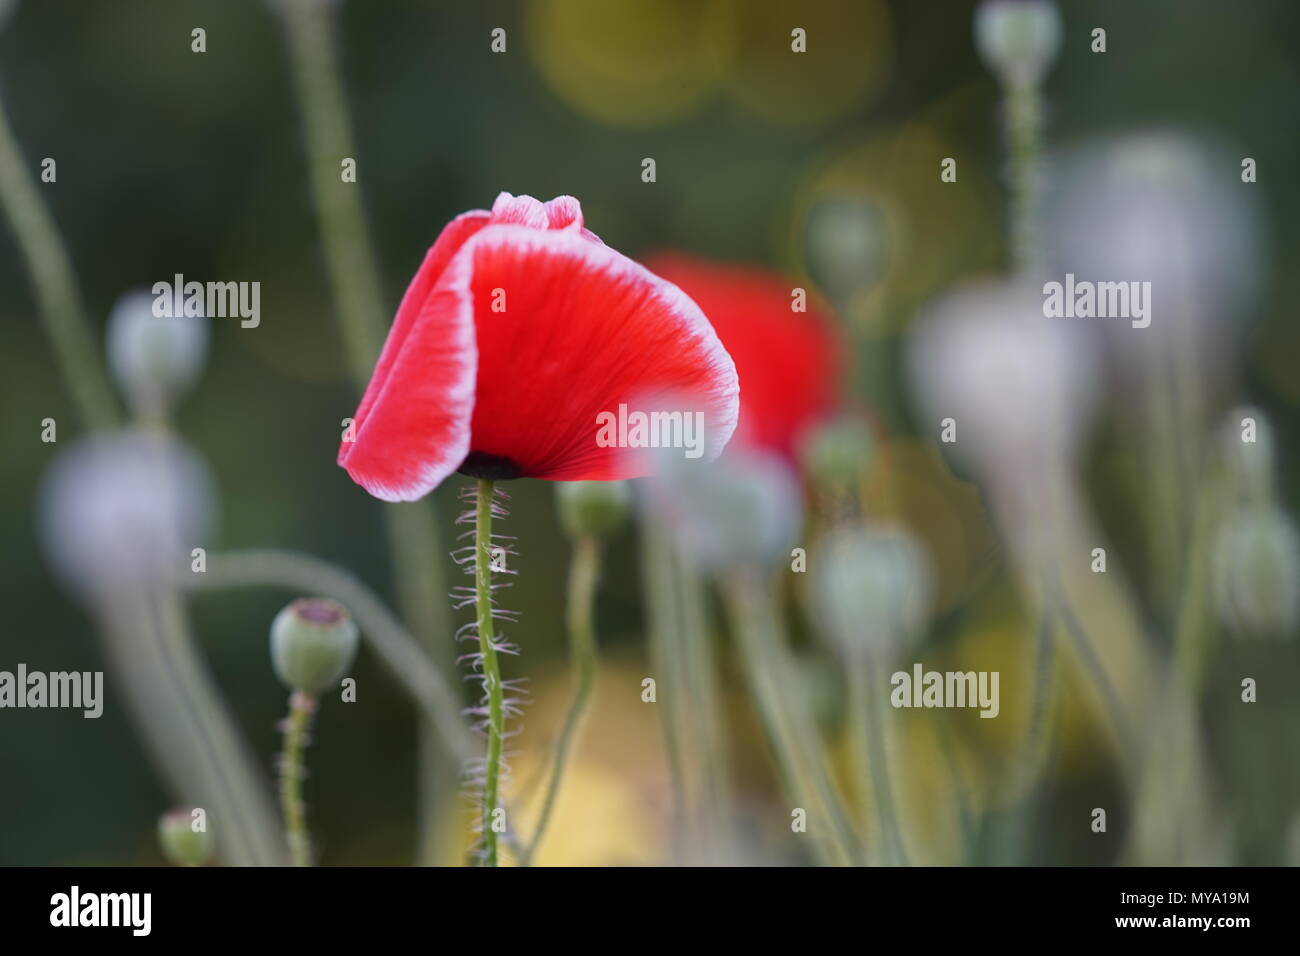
{"x": 1018, "y": 39}
{"x": 313, "y": 642}
{"x": 592, "y": 509}
{"x": 836, "y": 453}
{"x": 873, "y": 586}
{"x": 184, "y": 838}
{"x": 1257, "y": 573}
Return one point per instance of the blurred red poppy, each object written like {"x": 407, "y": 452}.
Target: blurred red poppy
{"x": 787, "y": 360}
{"x": 519, "y": 330}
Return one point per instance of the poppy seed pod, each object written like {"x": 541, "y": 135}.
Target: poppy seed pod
{"x": 313, "y": 642}
{"x": 872, "y": 585}
{"x": 1018, "y": 39}
{"x": 1256, "y": 568}
{"x": 592, "y": 509}
{"x": 184, "y": 844}
{"x": 120, "y": 510}
{"x": 743, "y": 511}
{"x": 154, "y": 358}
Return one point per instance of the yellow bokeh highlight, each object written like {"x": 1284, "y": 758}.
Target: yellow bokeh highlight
{"x": 635, "y": 63}
{"x": 845, "y": 64}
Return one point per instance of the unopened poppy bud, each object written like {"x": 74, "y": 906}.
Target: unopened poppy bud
{"x": 313, "y": 642}
{"x": 1257, "y": 573}
{"x": 836, "y": 453}
{"x": 592, "y": 509}
{"x": 872, "y": 585}
{"x": 1018, "y": 39}
{"x": 154, "y": 358}
{"x": 184, "y": 837}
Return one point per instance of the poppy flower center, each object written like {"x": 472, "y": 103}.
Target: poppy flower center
{"x": 479, "y": 464}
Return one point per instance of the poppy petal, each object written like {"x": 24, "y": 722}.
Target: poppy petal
{"x": 412, "y": 428}
{"x": 567, "y": 329}
{"x": 788, "y": 360}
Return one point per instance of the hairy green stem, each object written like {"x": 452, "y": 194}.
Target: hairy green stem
{"x": 790, "y": 725}
{"x": 584, "y": 572}
{"x": 62, "y": 312}
{"x": 293, "y": 770}
{"x": 491, "y": 666}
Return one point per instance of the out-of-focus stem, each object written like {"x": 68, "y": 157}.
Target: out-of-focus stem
{"x": 872, "y": 752}
{"x": 790, "y": 725}
{"x": 293, "y": 770}
{"x": 64, "y": 316}
{"x": 682, "y": 656}
{"x": 354, "y": 280}
{"x": 352, "y": 272}
{"x": 191, "y": 735}
{"x": 491, "y": 666}
{"x": 584, "y": 572}
{"x": 1023, "y": 107}
{"x": 268, "y": 567}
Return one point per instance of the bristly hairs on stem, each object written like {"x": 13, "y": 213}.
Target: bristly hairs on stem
{"x": 486, "y": 554}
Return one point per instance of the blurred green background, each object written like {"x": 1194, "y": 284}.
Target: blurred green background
{"x": 175, "y": 162}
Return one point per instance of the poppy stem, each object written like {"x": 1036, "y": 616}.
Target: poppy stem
{"x": 876, "y": 775}
{"x": 790, "y": 727}
{"x": 292, "y": 771}
{"x": 490, "y": 665}
{"x": 584, "y": 571}
{"x": 1024, "y": 109}
{"x": 62, "y": 311}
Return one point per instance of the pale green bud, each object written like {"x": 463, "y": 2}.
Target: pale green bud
{"x": 1256, "y": 568}
{"x": 313, "y": 642}
{"x": 184, "y": 837}
{"x": 1018, "y": 39}
{"x": 872, "y": 584}
{"x": 154, "y": 358}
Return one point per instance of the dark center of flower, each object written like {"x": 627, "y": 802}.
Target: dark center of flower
{"x": 479, "y": 464}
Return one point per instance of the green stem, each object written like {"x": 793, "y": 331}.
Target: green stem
{"x": 351, "y": 266}
{"x": 292, "y": 771}
{"x": 681, "y": 652}
{"x": 60, "y": 303}
{"x": 356, "y": 289}
{"x": 790, "y": 726}
{"x": 491, "y": 666}
{"x": 873, "y": 756}
{"x": 1024, "y": 144}
{"x": 583, "y": 574}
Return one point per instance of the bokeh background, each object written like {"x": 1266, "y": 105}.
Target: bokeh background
{"x": 175, "y": 162}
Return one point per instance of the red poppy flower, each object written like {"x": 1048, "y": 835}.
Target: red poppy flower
{"x": 520, "y": 329}
{"x": 788, "y": 360}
